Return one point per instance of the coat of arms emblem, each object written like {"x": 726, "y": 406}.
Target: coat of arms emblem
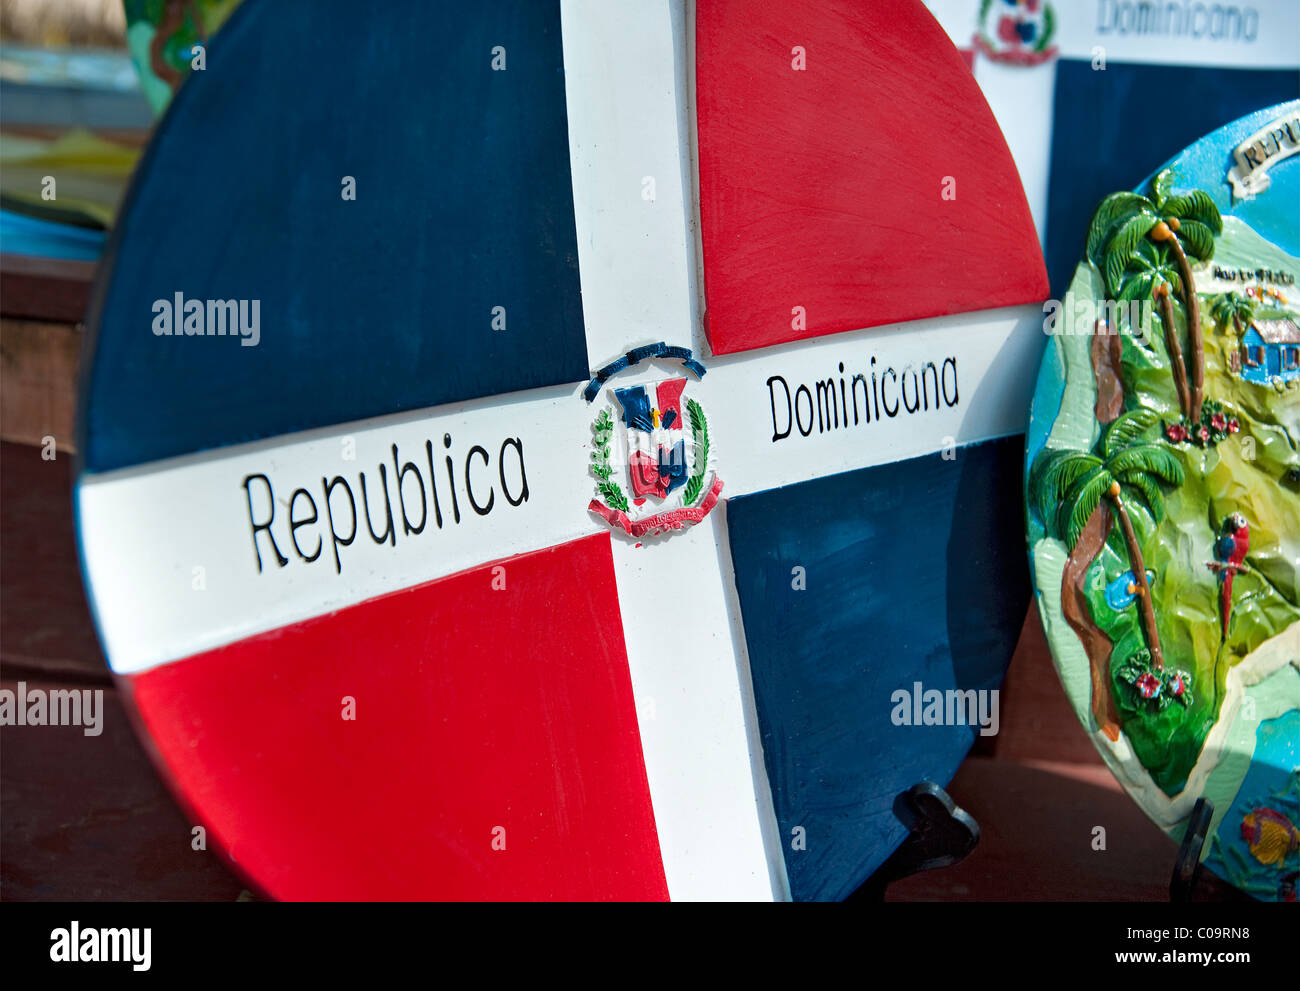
{"x": 661, "y": 452}
{"x": 1016, "y": 32}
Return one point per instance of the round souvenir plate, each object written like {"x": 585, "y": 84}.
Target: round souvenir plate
{"x": 446, "y": 550}
{"x": 1163, "y": 490}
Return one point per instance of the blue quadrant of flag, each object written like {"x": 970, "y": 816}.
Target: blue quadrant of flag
{"x": 853, "y": 587}
{"x": 455, "y": 268}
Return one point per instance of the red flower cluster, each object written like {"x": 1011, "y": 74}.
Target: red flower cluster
{"x": 1155, "y": 688}
{"x": 1215, "y": 425}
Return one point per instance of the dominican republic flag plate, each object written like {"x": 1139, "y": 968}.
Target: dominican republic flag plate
{"x": 563, "y": 450}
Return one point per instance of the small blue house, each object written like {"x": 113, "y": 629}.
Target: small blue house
{"x": 1270, "y": 349}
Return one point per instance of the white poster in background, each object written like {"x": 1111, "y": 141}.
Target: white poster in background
{"x": 1263, "y": 34}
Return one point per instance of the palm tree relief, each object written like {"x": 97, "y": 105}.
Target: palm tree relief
{"x": 1141, "y": 246}
{"x": 1078, "y": 494}
{"x": 1233, "y": 308}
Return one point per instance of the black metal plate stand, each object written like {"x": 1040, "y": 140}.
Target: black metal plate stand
{"x": 942, "y": 834}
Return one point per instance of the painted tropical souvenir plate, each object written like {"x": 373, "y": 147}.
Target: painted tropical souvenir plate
{"x": 1163, "y": 486}
{"x": 443, "y": 546}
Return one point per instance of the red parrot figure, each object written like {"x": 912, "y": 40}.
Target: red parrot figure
{"x": 1230, "y": 559}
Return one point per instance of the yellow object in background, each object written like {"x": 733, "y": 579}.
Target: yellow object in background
{"x": 89, "y": 177}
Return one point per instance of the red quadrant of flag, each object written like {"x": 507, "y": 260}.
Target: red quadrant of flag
{"x": 849, "y": 166}
{"x": 488, "y": 759}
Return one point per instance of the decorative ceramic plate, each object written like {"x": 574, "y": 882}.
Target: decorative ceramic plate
{"x": 1163, "y": 486}
{"x": 443, "y": 547}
